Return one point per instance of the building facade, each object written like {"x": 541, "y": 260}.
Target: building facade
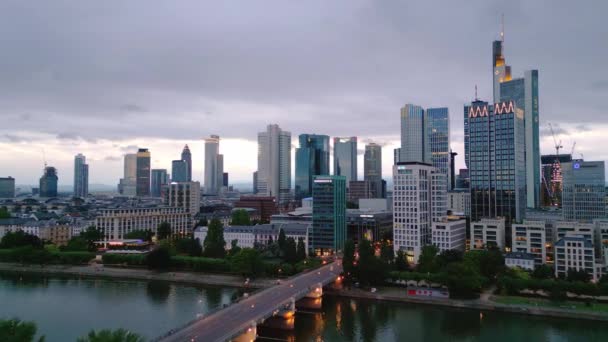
{"x": 574, "y": 252}
{"x": 312, "y": 159}
{"x": 7, "y": 187}
{"x": 48, "y": 182}
{"x": 328, "y": 214}
{"x": 459, "y": 201}
{"x": 214, "y": 165}
{"x": 449, "y": 234}
{"x": 143, "y": 172}
{"x": 439, "y": 139}
{"x": 551, "y": 184}
{"x": 159, "y": 181}
{"x": 372, "y": 169}
{"x": 116, "y": 223}
{"x": 128, "y": 184}
{"x": 372, "y": 225}
{"x": 179, "y": 171}
{"x": 530, "y": 237}
{"x": 81, "y": 176}
{"x": 345, "y": 158}
{"x": 584, "y": 191}
{"x": 265, "y": 205}
{"x": 274, "y": 164}
{"x": 187, "y": 157}
{"x": 185, "y": 195}
{"x": 488, "y": 233}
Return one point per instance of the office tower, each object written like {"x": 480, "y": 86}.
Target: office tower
{"x": 214, "y": 165}
{"x": 358, "y": 190}
{"x": 185, "y": 195}
{"x": 439, "y": 139}
{"x": 415, "y": 135}
{"x": 312, "y": 159}
{"x": 328, "y": 214}
{"x": 48, "y": 182}
{"x": 187, "y": 157}
{"x": 396, "y": 155}
{"x": 81, "y": 176}
{"x": 179, "y": 171}
{"x": 255, "y": 182}
{"x": 372, "y": 169}
{"x": 419, "y": 199}
{"x": 160, "y": 179}
{"x": 584, "y": 190}
{"x": 143, "y": 172}
{"x": 524, "y": 92}
{"x": 452, "y": 170}
{"x": 345, "y": 158}
{"x": 551, "y": 186}
{"x": 7, "y": 187}
{"x": 225, "y": 181}
{"x": 463, "y": 179}
{"x": 128, "y": 184}
{"x": 274, "y": 164}
{"x": 496, "y": 161}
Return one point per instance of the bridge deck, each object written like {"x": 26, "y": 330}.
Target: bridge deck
{"x": 236, "y": 318}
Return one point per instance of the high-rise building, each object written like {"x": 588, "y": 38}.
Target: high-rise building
{"x": 143, "y": 172}
{"x": 187, "y": 157}
{"x": 48, "y": 182}
{"x": 179, "y": 171}
{"x": 128, "y": 184}
{"x": 214, "y": 165}
{"x": 328, "y": 214}
{"x": 345, "y": 158}
{"x": 419, "y": 199}
{"x": 160, "y": 179}
{"x": 584, "y": 190}
{"x": 551, "y": 186}
{"x": 225, "y": 180}
{"x": 274, "y": 164}
{"x": 7, "y": 187}
{"x": 358, "y": 190}
{"x": 439, "y": 139}
{"x": 186, "y": 195}
{"x": 496, "y": 160}
{"x": 372, "y": 169}
{"x": 415, "y": 135}
{"x": 312, "y": 159}
{"x": 524, "y": 92}
{"x": 81, "y": 176}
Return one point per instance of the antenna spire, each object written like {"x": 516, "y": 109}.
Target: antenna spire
{"x": 476, "y": 93}
{"x": 502, "y": 28}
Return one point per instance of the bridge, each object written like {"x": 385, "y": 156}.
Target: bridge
{"x": 238, "y": 322}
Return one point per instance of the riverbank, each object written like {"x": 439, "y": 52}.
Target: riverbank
{"x": 99, "y": 271}
{"x": 397, "y": 294}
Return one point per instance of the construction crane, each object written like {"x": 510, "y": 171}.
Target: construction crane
{"x": 558, "y": 146}
{"x": 572, "y": 151}
{"x": 44, "y": 158}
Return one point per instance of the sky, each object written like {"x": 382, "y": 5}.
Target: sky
{"x": 105, "y": 77}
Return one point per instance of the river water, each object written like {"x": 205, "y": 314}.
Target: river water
{"x": 64, "y": 309}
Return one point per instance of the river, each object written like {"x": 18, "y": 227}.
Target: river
{"x": 65, "y": 308}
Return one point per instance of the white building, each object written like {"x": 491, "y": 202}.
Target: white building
{"x": 530, "y": 237}
{"x": 116, "y": 223}
{"x": 601, "y": 240}
{"x": 488, "y": 232}
{"x": 419, "y": 199}
{"x": 520, "y": 259}
{"x": 274, "y": 164}
{"x": 185, "y": 195}
{"x": 214, "y": 165}
{"x": 128, "y": 184}
{"x": 449, "y": 234}
{"x": 575, "y": 252}
{"x": 459, "y": 202}
{"x": 563, "y": 228}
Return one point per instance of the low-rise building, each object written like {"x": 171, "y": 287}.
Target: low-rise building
{"x": 372, "y": 225}
{"x": 575, "y": 252}
{"x": 57, "y": 234}
{"x": 459, "y": 202}
{"x": 488, "y": 233}
{"x": 116, "y": 223}
{"x": 520, "y": 259}
{"x": 601, "y": 240}
{"x": 450, "y": 234}
{"x": 587, "y": 230}
{"x": 530, "y": 238}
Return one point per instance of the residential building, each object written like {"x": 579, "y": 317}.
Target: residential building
{"x": 48, "y": 182}
{"x": 449, "y": 234}
{"x": 488, "y": 233}
{"x": 7, "y": 187}
{"x": 187, "y": 157}
{"x": 601, "y": 240}
{"x": 419, "y": 199}
{"x": 328, "y": 214}
{"x": 58, "y": 234}
{"x": 143, "y": 172}
{"x": 565, "y": 228}
{"x": 372, "y": 170}
{"x": 274, "y": 164}
{"x": 312, "y": 159}
{"x": 214, "y": 165}
{"x": 530, "y": 238}
{"x": 116, "y": 223}
{"x": 575, "y": 252}
{"x": 159, "y": 181}
{"x": 128, "y": 184}
{"x": 522, "y": 260}
{"x": 179, "y": 171}
{"x": 459, "y": 201}
{"x": 584, "y": 190}
{"x": 551, "y": 186}
{"x": 185, "y": 195}
{"x": 345, "y": 158}
{"x": 81, "y": 176}
{"x": 265, "y": 205}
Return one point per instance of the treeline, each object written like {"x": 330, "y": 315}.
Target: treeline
{"x": 21, "y": 247}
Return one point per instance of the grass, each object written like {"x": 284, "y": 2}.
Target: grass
{"x": 539, "y": 302}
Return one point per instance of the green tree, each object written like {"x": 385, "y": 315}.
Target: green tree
{"x": 348, "y": 260}
{"x": 106, "y": 335}
{"x": 463, "y": 281}
{"x": 400, "y": 261}
{"x": 77, "y": 244}
{"x": 427, "y": 262}
{"x": 370, "y": 269}
{"x": 580, "y": 275}
{"x": 386, "y": 253}
{"x": 159, "y": 259}
{"x": 15, "y": 330}
{"x": 92, "y": 234}
{"x": 247, "y": 262}
{"x": 189, "y": 246}
{"x": 291, "y": 253}
{"x": 234, "y": 248}
{"x": 140, "y": 234}
{"x": 270, "y": 241}
{"x": 543, "y": 272}
{"x": 214, "y": 245}
{"x": 4, "y": 213}
{"x": 282, "y": 240}
{"x": 240, "y": 217}
{"x": 20, "y": 239}
{"x": 202, "y": 223}
{"x": 449, "y": 256}
{"x": 163, "y": 231}
{"x": 301, "y": 250}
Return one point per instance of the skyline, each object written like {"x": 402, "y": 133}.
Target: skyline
{"x": 62, "y": 101}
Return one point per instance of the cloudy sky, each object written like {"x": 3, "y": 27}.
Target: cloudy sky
{"x": 103, "y": 77}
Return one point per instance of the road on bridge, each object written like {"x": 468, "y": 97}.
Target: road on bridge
{"x": 228, "y": 322}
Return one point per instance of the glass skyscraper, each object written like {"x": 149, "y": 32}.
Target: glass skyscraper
{"x": 584, "y": 190}
{"x": 345, "y": 158}
{"x": 274, "y": 164}
{"x": 179, "y": 171}
{"x": 187, "y": 157}
{"x": 312, "y": 159}
{"x": 7, "y": 187}
{"x": 439, "y": 139}
{"x": 48, "y": 182}
{"x": 372, "y": 169}
{"x": 81, "y": 176}
{"x": 415, "y": 135}
{"x": 160, "y": 179}
{"x": 143, "y": 172}
{"x": 328, "y": 214}
{"x": 496, "y": 161}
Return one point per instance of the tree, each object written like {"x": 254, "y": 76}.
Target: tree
{"x": 348, "y": 260}
{"x": 463, "y": 281}
{"x": 77, "y": 244}
{"x": 15, "y": 330}
{"x": 214, "y": 245}
{"x": 4, "y": 213}
{"x": 234, "y": 248}
{"x": 400, "y": 261}
{"x": 92, "y": 234}
{"x": 240, "y": 217}
{"x": 140, "y": 234}
{"x": 247, "y": 262}
{"x": 369, "y": 269}
{"x": 163, "y": 231}
{"x": 20, "y": 239}
{"x": 386, "y": 253}
{"x": 427, "y": 262}
{"x": 580, "y": 275}
{"x": 449, "y": 256}
{"x": 202, "y": 223}
{"x": 291, "y": 253}
{"x": 301, "y": 250}
{"x": 159, "y": 259}
{"x": 106, "y": 335}
{"x": 543, "y": 272}
{"x": 189, "y": 246}
{"x": 282, "y": 240}
{"x": 270, "y": 241}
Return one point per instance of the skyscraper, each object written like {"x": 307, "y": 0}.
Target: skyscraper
{"x": 584, "y": 190}
{"x": 415, "y": 135}
{"x": 143, "y": 172}
{"x": 214, "y": 165}
{"x": 128, "y": 184}
{"x": 187, "y": 157}
{"x": 7, "y": 187}
{"x": 345, "y": 158}
{"x": 312, "y": 159}
{"x": 274, "y": 164}
{"x": 496, "y": 161}
{"x": 524, "y": 92}
{"x": 160, "y": 179}
{"x": 81, "y": 176}
{"x": 48, "y": 182}
{"x": 328, "y": 214}
{"x": 179, "y": 171}
{"x": 439, "y": 139}
{"x": 372, "y": 169}
{"x": 551, "y": 185}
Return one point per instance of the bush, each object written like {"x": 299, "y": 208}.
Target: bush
{"x": 200, "y": 264}
{"x": 128, "y": 259}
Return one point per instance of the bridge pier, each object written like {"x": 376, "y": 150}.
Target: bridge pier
{"x": 310, "y": 303}
{"x": 283, "y": 318}
{"x": 248, "y": 335}
{"x": 317, "y": 291}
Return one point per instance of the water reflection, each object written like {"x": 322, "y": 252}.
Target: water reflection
{"x": 158, "y": 291}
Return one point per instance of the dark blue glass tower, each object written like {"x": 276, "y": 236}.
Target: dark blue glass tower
{"x": 312, "y": 159}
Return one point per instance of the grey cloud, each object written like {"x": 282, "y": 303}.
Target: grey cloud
{"x": 600, "y": 85}
{"x": 75, "y": 137}
{"x": 128, "y": 148}
{"x": 15, "y": 138}
{"x": 112, "y": 158}
{"x": 583, "y": 128}
{"x": 546, "y": 131}
{"x": 129, "y": 107}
